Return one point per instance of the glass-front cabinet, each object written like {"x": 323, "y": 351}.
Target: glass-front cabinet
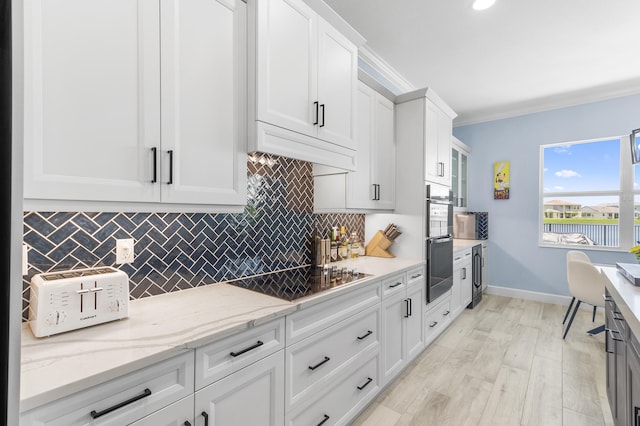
{"x": 459, "y": 173}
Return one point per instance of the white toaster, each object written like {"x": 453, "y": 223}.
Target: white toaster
{"x": 67, "y": 300}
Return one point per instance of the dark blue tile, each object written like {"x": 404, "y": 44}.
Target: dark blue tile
{"x": 125, "y": 223}
{"x": 84, "y": 240}
{"x": 103, "y": 218}
{"x": 37, "y": 222}
{"x": 86, "y": 224}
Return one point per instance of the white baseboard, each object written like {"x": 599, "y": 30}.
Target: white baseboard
{"x": 530, "y": 295}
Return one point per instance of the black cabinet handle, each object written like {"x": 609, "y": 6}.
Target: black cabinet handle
{"x": 369, "y": 380}
{"x": 407, "y": 308}
{"x": 322, "y": 106}
{"x": 324, "y": 420}
{"x": 617, "y": 316}
{"x": 413, "y": 277}
{"x": 206, "y": 418}
{"x": 433, "y": 324}
{"x": 446, "y": 313}
{"x": 607, "y": 298}
{"x": 364, "y": 336}
{"x": 410, "y": 307}
{"x": 324, "y": 361}
{"x": 170, "y": 181}
{"x": 395, "y": 285}
{"x": 154, "y": 150}
{"x": 606, "y": 341}
{"x": 464, "y": 273}
{"x": 250, "y": 348}
{"x": 95, "y": 414}
{"x": 315, "y": 123}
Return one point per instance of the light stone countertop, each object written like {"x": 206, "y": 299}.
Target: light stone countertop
{"x": 459, "y": 244}
{"x": 160, "y": 327}
{"x": 626, "y": 296}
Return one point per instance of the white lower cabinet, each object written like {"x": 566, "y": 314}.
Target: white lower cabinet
{"x": 402, "y": 324}
{"x": 177, "y": 414}
{"x": 462, "y": 289}
{"x": 123, "y": 400}
{"x": 436, "y": 319}
{"x": 253, "y": 396}
{"x": 338, "y": 404}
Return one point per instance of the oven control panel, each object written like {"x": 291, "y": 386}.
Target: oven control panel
{"x": 67, "y": 300}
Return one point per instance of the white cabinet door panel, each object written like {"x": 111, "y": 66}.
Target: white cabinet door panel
{"x": 252, "y": 396}
{"x": 92, "y": 102}
{"x": 203, "y": 88}
{"x": 337, "y": 86}
{"x": 385, "y": 153}
{"x": 287, "y": 65}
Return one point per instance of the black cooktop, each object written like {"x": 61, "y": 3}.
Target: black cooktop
{"x": 292, "y": 284}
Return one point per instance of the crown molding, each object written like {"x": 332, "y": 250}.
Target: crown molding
{"x": 369, "y": 57}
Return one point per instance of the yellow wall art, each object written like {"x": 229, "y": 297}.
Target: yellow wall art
{"x": 501, "y": 176}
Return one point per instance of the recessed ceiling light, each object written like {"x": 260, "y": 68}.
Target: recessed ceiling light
{"x": 483, "y": 4}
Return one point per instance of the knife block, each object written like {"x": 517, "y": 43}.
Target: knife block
{"x": 378, "y": 246}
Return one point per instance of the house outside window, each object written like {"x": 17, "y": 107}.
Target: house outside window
{"x": 589, "y": 195}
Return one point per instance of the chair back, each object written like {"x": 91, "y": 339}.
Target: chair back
{"x": 586, "y": 282}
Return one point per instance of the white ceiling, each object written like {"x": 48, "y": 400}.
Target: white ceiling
{"x": 514, "y": 58}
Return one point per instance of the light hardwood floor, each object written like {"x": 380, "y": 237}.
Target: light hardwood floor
{"x": 503, "y": 363}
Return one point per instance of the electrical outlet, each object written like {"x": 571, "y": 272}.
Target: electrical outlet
{"x": 124, "y": 251}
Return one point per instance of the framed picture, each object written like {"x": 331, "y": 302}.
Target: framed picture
{"x": 501, "y": 176}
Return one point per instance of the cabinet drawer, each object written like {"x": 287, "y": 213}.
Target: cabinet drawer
{"x": 339, "y": 404}
{"x": 394, "y": 285}
{"x": 317, "y": 360}
{"x": 436, "y": 318}
{"x": 176, "y": 414}
{"x": 306, "y": 322}
{"x": 167, "y": 381}
{"x": 416, "y": 276}
{"x": 221, "y": 358}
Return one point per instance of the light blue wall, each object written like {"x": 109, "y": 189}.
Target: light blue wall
{"x": 516, "y": 260}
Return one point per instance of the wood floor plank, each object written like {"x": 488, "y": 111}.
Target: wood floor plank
{"x": 571, "y": 418}
{"x": 543, "y": 401}
{"x": 377, "y": 415}
{"x": 519, "y": 354}
{"x": 506, "y": 401}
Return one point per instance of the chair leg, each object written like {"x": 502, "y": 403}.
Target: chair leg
{"x": 568, "y": 310}
{"x": 573, "y": 315}
{"x": 594, "y": 314}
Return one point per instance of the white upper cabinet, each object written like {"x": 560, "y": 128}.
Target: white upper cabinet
{"x": 203, "y": 101}
{"x": 132, "y": 95}
{"x": 438, "y": 145}
{"x": 426, "y": 124}
{"x": 372, "y": 186}
{"x": 303, "y": 84}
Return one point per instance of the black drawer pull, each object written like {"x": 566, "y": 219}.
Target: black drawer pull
{"x": 617, "y": 316}
{"x": 95, "y": 414}
{"x": 364, "y": 336}
{"x": 395, "y": 285}
{"x": 206, "y": 418}
{"x": 607, "y": 298}
{"x": 413, "y": 277}
{"x": 369, "y": 380}
{"x": 446, "y": 313}
{"x": 250, "y": 348}
{"x": 433, "y": 324}
{"x": 324, "y": 420}
{"x": 325, "y": 360}
{"x": 407, "y": 305}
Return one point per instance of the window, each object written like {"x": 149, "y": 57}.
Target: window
{"x": 459, "y": 171}
{"x": 590, "y": 194}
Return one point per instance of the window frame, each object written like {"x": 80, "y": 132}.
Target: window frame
{"x": 625, "y": 193}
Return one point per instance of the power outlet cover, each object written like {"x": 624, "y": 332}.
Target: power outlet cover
{"x": 124, "y": 251}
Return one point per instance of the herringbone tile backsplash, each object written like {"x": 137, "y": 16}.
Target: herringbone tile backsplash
{"x": 175, "y": 251}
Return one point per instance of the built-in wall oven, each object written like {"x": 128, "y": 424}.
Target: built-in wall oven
{"x": 439, "y": 240}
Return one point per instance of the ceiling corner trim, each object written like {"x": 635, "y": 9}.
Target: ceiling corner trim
{"x": 369, "y": 57}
